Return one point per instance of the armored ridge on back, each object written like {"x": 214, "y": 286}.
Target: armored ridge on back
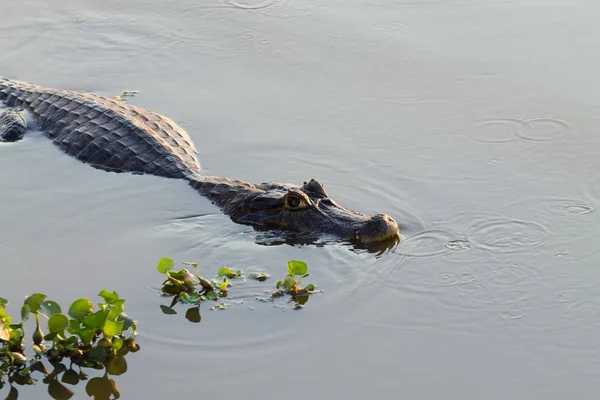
{"x": 116, "y": 136}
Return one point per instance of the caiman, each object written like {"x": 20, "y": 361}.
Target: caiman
{"x": 113, "y": 135}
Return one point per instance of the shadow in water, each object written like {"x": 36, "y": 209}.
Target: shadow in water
{"x": 61, "y": 378}
{"x": 277, "y": 238}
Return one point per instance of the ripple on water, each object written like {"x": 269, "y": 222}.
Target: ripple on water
{"x": 495, "y": 130}
{"x": 507, "y": 235}
{"x": 249, "y": 4}
{"x": 565, "y": 207}
{"x": 511, "y": 129}
{"x": 512, "y": 275}
{"x": 279, "y": 8}
{"x": 431, "y": 243}
{"x": 543, "y": 130}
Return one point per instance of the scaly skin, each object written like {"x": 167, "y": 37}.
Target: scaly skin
{"x": 116, "y": 136}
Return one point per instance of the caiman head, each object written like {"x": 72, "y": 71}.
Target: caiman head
{"x": 307, "y": 209}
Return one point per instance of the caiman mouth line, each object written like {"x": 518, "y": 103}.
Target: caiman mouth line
{"x": 116, "y": 136}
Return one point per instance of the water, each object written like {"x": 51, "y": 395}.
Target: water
{"x": 472, "y": 122}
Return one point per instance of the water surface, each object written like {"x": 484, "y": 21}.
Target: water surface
{"x": 472, "y": 122}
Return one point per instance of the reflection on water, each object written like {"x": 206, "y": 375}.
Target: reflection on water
{"x": 277, "y": 238}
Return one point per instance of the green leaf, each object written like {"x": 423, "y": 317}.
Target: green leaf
{"x": 309, "y": 287}
{"x": 279, "y": 284}
{"x": 289, "y": 282}
{"x": 192, "y": 298}
{"x": 305, "y": 275}
{"x": 58, "y": 323}
{"x": 95, "y": 320}
{"x": 297, "y": 267}
{"x": 212, "y": 296}
{"x": 34, "y": 301}
{"x": 127, "y": 321}
{"x": 86, "y": 335}
{"x": 226, "y": 272}
{"x": 117, "y": 343}
{"x": 109, "y": 297}
{"x": 49, "y": 308}
{"x": 165, "y": 265}
{"x": 3, "y": 302}
{"x": 80, "y": 309}
{"x": 112, "y": 328}
{"x": 25, "y": 311}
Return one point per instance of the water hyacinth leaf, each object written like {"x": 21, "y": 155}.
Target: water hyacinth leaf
{"x": 309, "y": 287}
{"x": 289, "y": 282}
{"x": 165, "y": 265}
{"x": 25, "y": 311}
{"x": 112, "y": 328}
{"x": 212, "y": 296}
{"x": 193, "y": 314}
{"x": 116, "y": 310}
{"x": 49, "y": 308}
{"x": 3, "y": 302}
{"x": 226, "y": 272}
{"x": 167, "y": 310}
{"x": 34, "y": 301}
{"x": 109, "y": 297}
{"x": 184, "y": 298}
{"x": 178, "y": 275}
{"x": 58, "y": 323}
{"x": 95, "y": 319}
{"x": 117, "y": 343}
{"x": 192, "y": 298}
{"x": 86, "y": 335}
{"x": 127, "y": 322}
{"x": 296, "y": 267}
{"x": 80, "y": 309}
{"x": 279, "y": 284}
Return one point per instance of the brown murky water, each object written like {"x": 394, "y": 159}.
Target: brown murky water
{"x": 473, "y": 122}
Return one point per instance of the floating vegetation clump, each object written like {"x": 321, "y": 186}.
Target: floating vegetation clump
{"x": 85, "y": 337}
{"x": 297, "y": 270}
{"x": 126, "y": 94}
{"x": 193, "y": 289}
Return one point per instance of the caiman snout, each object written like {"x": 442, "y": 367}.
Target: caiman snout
{"x": 379, "y": 227}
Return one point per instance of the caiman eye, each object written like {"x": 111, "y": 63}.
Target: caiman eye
{"x": 295, "y": 201}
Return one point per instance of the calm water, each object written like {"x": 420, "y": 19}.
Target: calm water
{"x": 473, "y": 122}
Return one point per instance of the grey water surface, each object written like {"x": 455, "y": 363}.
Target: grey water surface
{"x": 474, "y": 123}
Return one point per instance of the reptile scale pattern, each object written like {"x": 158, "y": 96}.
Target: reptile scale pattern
{"x": 106, "y": 133}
